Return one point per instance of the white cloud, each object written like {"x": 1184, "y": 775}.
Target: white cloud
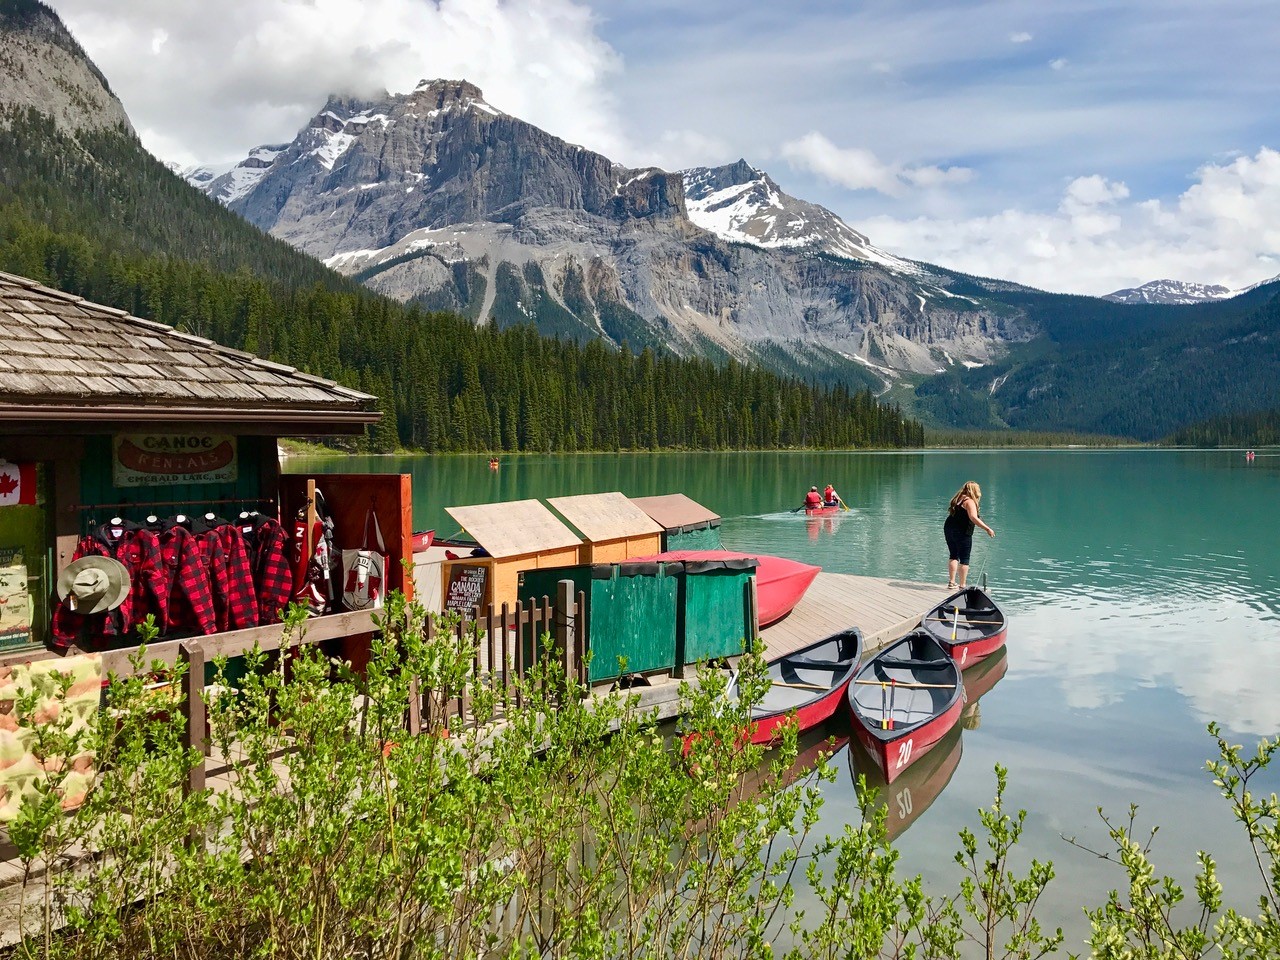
{"x": 860, "y": 169}
{"x": 1020, "y": 37}
{"x": 1059, "y": 63}
{"x": 1225, "y": 228}
{"x": 218, "y": 80}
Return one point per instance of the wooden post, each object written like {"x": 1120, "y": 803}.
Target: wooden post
{"x": 415, "y": 707}
{"x": 308, "y": 546}
{"x": 566, "y": 624}
{"x": 191, "y": 655}
{"x": 580, "y": 635}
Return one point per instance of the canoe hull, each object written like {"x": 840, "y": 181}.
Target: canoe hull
{"x": 904, "y": 701}
{"x": 978, "y": 631}
{"x": 788, "y": 702}
{"x": 780, "y": 583}
{"x": 823, "y": 511}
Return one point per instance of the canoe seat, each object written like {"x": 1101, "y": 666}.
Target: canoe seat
{"x": 971, "y": 611}
{"x": 818, "y": 664}
{"x": 915, "y": 664}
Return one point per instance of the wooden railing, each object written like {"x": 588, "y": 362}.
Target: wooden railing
{"x": 509, "y": 640}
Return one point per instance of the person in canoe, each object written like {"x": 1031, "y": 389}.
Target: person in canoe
{"x": 962, "y": 517}
{"x": 831, "y": 498}
{"x": 812, "y": 499}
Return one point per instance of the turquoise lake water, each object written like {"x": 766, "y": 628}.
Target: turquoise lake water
{"x": 1142, "y": 589}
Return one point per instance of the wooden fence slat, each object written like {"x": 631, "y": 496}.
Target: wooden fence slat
{"x": 191, "y": 654}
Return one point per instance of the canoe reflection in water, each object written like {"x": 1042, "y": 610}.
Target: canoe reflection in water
{"x": 916, "y": 787}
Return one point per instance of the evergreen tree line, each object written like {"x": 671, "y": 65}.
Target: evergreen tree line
{"x": 1258, "y": 429}
{"x": 155, "y": 247}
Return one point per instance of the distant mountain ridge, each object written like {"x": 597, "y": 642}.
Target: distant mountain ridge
{"x": 1172, "y": 292}
{"x": 439, "y": 197}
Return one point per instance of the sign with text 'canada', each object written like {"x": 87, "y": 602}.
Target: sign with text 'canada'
{"x": 148, "y": 459}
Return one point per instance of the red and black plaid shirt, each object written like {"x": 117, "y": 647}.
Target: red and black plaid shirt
{"x": 272, "y": 574}
{"x": 139, "y": 551}
{"x": 190, "y": 596}
{"x": 240, "y": 601}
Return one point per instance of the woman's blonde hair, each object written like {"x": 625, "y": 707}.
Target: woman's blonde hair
{"x": 970, "y": 490}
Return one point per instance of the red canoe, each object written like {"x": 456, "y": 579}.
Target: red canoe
{"x": 807, "y": 685}
{"x": 969, "y": 626}
{"x": 780, "y": 583}
{"x": 905, "y": 699}
{"x": 823, "y": 511}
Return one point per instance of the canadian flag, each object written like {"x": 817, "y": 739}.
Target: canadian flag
{"x": 17, "y": 483}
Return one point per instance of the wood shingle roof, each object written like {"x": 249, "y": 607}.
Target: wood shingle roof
{"x": 63, "y": 357}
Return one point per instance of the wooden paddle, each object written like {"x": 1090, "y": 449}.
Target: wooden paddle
{"x": 945, "y": 620}
{"x": 901, "y": 683}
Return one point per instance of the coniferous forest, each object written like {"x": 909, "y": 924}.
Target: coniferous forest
{"x": 101, "y": 218}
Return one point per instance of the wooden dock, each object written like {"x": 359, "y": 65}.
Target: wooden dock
{"x": 883, "y": 609}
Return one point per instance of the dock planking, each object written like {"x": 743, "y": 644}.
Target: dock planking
{"x": 883, "y": 609}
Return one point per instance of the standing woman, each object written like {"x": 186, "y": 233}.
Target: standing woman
{"x": 962, "y": 517}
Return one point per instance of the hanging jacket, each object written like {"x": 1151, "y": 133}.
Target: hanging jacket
{"x": 138, "y": 548}
{"x": 190, "y": 595}
{"x": 269, "y": 555}
{"x": 241, "y": 600}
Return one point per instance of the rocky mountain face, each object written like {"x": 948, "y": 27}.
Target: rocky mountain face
{"x": 439, "y": 197}
{"x": 47, "y": 70}
{"x": 1172, "y": 292}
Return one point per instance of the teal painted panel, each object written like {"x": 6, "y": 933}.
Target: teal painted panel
{"x": 713, "y": 617}
{"x": 630, "y": 619}
{"x": 633, "y": 624}
{"x": 98, "y": 487}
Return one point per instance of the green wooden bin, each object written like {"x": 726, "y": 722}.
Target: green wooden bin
{"x": 701, "y": 538}
{"x": 630, "y": 612}
{"x": 713, "y": 620}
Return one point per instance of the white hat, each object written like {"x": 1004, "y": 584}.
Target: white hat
{"x": 94, "y": 584}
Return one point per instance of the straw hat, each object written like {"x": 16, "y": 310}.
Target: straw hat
{"x": 94, "y": 584}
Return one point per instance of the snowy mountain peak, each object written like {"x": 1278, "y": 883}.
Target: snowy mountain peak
{"x": 1172, "y": 292}
{"x": 745, "y": 205}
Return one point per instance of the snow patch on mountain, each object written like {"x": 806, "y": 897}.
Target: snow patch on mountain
{"x": 1172, "y": 292}
{"x": 744, "y": 205}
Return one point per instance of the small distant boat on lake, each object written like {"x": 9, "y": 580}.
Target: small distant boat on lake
{"x": 780, "y": 583}
{"x": 493, "y": 463}
{"x": 810, "y": 683}
{"x": 825, "y": 510}
{"x": 968, "y": 624}
{"x": 905, "y": 699}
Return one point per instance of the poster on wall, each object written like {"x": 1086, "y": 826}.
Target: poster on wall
{"x": 158, "y": 459}
{"x": 15, "y": 599}
{"x": 17, "y": 483}
{"x": 468, "y": 588}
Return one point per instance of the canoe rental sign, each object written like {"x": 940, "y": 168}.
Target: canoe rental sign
{"x": 159, "y": 459}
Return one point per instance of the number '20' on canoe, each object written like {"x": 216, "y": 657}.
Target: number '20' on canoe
{"x": 810, "y": 682}
{"x": 969, "y": 626}
{"x": 904, "y": 700}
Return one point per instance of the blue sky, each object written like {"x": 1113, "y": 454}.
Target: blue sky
{"x": 1077, "y": 146}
